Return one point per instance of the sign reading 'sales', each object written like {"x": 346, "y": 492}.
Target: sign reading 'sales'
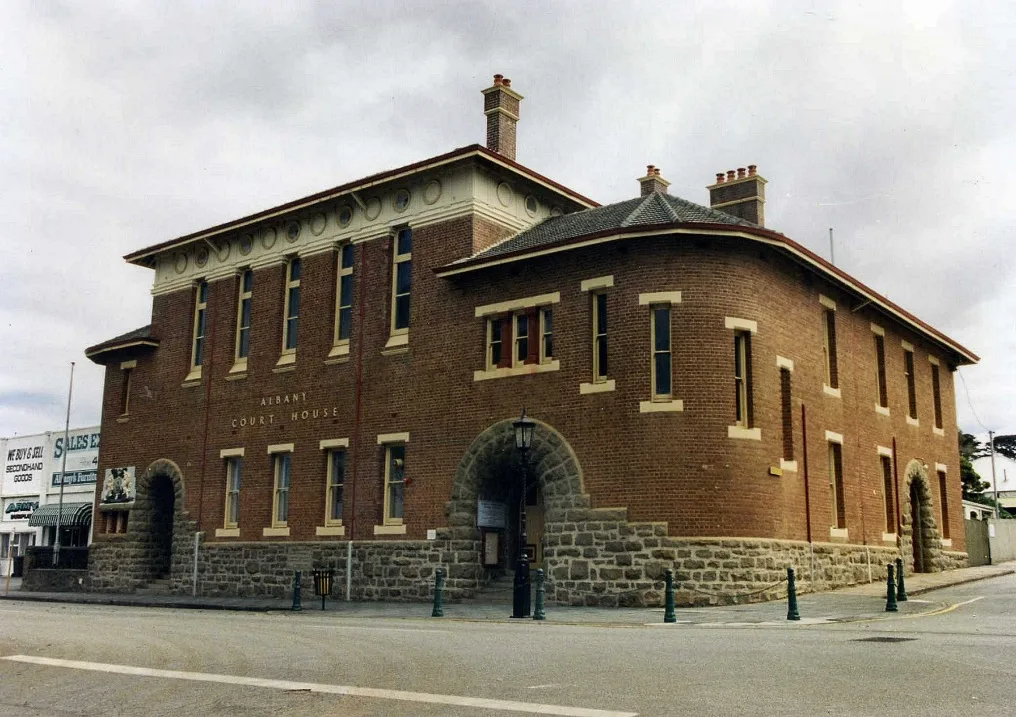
{"x": 284, "y": 407}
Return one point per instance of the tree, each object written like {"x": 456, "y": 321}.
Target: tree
{"x": 1006, "y": 446}
{"x": 973, "y": 486}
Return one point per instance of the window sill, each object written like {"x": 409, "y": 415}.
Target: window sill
{"x": 788, "y": 466}
{"x": 227, "y": 532}
{"x": 913, "y": 421}
{"x": 830, "y": 391}
{"x": 840, "y": 533}
{"x": 598, "y": 387}
{"x": 882, "y": 410}
{"x": 938, "y": 431}
{"x": 287, "y": 358}
{"x": 751, "y": 434}
{"x": 275, "y": 532}
{"x": 523, "y": 370}
{"x": 396, "y": 344}
{"x": 236, "y": 375}
{"x": 194, "y": 375}
{"x": 330, "y": 530}
{"x": 284, "y": 369}
{"x": 191, "y": 383}
{"x": 390, "y": 529}
{"x": 672, "y": 406}
{"x": 889, "y": 538}
{"x": 338, "y": 354}
{"x": 946, "y": 542}
{"x": 123, "y": 419}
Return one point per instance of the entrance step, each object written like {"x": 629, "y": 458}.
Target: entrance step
{"x": 498, "y": 591}
{"x": 160, "y": 586}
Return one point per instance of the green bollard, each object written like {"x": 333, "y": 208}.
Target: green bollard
{"x": 792, "y": 613}
{"x": 438, "y": 610}
{"x": 296, "y": 592}
{"x": 901, "y": 588}
{"x": 668, "y": 613}
{"x": 890, "y": 591}
{"x": 539, "y": 613}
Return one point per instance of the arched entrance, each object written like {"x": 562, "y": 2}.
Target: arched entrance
{"x": 157, "y": 510}
{"x": 490, "y": 476}
{"x": 919, "y": 524}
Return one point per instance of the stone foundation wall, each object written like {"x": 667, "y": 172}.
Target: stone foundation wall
{"x": 45, "y": 580}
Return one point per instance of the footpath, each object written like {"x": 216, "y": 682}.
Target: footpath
{"x": 860, "y": 602}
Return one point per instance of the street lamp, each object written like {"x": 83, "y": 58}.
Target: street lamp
{"x": 524, "y": 428}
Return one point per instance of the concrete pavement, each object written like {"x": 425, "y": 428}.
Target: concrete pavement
{"x": 861, "y": 602}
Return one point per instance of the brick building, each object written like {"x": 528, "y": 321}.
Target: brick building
{"x": 331, "y": 383}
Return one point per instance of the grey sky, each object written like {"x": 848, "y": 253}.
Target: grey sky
{"x": 126, "y": 125}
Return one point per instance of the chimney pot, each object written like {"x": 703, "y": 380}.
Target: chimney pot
{"x": 746, "y": 200}
{"x": 649, "y": 169}
{"x": 751, "y": 170}
{"x": 719, "y": 177}
{"x": 506, "y": 82}
{"x": 740, "y": 172}
{"x": 653, "y": 183}
{"x": 730, "y": 175}
{"x": 656, "y": 171}
{"x": 497, "y": 79}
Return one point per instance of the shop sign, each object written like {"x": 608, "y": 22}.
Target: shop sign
{"x": 118, "y": 486}
{"x": 24, "y": 465}
{"x": 491, "y": 514}
{"x": 82, "y": 457}
{"x": 75, "y": 478}
{"x": 20, "y": 509}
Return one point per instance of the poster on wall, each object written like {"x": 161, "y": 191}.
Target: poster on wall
{"x": 24, "y": 465}
{"x": 118, "y": 486}
{"x": 82, "y": 455}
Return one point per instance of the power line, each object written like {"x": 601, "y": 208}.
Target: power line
{"x": 969, "y": 402}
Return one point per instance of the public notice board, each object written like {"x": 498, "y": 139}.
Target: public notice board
{"x": 491, "y": 514}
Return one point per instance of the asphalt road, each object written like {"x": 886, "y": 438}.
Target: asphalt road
{"x": 146, "y": 661}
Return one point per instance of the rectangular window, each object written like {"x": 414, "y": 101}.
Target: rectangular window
{"x": 786, "y": 410}
{"x": 401, "y": 280}
{"x": 661, "y": 370}
{"x": 125, "y": 392}
{"x": 600, "y": 366}
{"x": 908, "y": 372}
{"x": 243, "y": 316}
{"x": 829, "y": 347}
{"x": 888, "y": 493}
{"x": 742, "y": 379}
{"x": 200, "y": 307}
{"x": 521, "y": 338}
{"x": 839, "y": 519}
{"x": 280, "y": 503}
{"x": 344, "y": 295}
{"x": 495, "y": 352}
{"x": 936, "y": 394}
{"x": 336, "y": 480}
{"x": 291, "y": 323}
{"x": 395, "y": 476}
{"x": 944, "y": 499}
{"x": 546, "y": 335}
{"x": 883, "y": 391}
{"x": 234, "y": 478}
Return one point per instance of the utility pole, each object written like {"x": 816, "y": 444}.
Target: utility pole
{"x": 832, "y": 254}
{"x": 994, "y": 484}
{"x": 63, "y": 472}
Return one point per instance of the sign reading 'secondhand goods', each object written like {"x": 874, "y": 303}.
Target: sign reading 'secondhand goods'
{"x": 24, "y": 465}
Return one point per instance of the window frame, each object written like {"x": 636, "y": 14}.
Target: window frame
{"x": 234, "y": 470}
{"x": 911, "y": 381}
{"x": 244, "y": 299}
{"x": 520, "y": 343}
{"x": 495, "y": 335}
{"x": 885, "y": 462}
{"x": 126, "y": 373}
{"x": 787, "y": 412}
{"x": 546, "y": 335}
{"x": 199, "y": 323}
{"x": 278, "y": 459}
{"x": 943, "y": 509}
{"x": 743, "y": 409}
{"x": 292, "y": 288}
{"x": 832, "y": 377}
{"x": 881, "y": 379}
{"x": 601, "y": 373}
{"x": 653, "y": 309}
{"x": 397, "y": 259}
{"x": 936, "y": 392}
{"x": 341, "y": 270}
{"x": 387, "y": 517}
{"x": 330, "y": 485}
{"x": 837, "y": 489}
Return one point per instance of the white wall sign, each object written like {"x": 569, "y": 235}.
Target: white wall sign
{"x": 82, "y": 458}
{"x": 491, "y": 514}
{"x": 118, "y": 486}
{"x": 25, "y": 464}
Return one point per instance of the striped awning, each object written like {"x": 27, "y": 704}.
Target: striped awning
{"x": 72, "y": 514}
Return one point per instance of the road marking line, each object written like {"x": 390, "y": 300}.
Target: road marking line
{"x": 367, "y": 627}
{"x": 425, "y": 697}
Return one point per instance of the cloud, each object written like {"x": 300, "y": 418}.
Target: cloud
{"x": 130, "y": 124}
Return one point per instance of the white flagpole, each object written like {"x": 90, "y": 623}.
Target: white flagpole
{"x": 63, "y": 471}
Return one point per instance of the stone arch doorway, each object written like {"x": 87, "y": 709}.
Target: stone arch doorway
{"x": 491, "y": 471}
{"x": 919, "y": 525}
{"x": 158, "y": 507}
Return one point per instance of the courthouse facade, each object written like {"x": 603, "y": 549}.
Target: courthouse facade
{"x": 331, "y": 383}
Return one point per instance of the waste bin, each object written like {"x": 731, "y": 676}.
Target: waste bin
{"x": 323, "y": 583}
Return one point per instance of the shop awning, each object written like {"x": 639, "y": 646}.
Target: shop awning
{"x": 73, "y": 514}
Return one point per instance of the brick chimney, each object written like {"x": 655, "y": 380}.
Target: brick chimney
{"x": 653, "y": 182}
{"x": 501, "y": 105}
{"x": 740, "y": 194}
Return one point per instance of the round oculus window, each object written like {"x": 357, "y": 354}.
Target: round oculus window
{"x": 246, "y": 244}
{"x": 531, "y": 204}
{"x": 401, "y": 200}
{"x": 292, "y": 231}
{"x": 201, "y": 256}
{"x": 345, "y": 215}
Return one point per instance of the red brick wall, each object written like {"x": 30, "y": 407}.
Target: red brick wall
{"x": 677, "y": 467}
